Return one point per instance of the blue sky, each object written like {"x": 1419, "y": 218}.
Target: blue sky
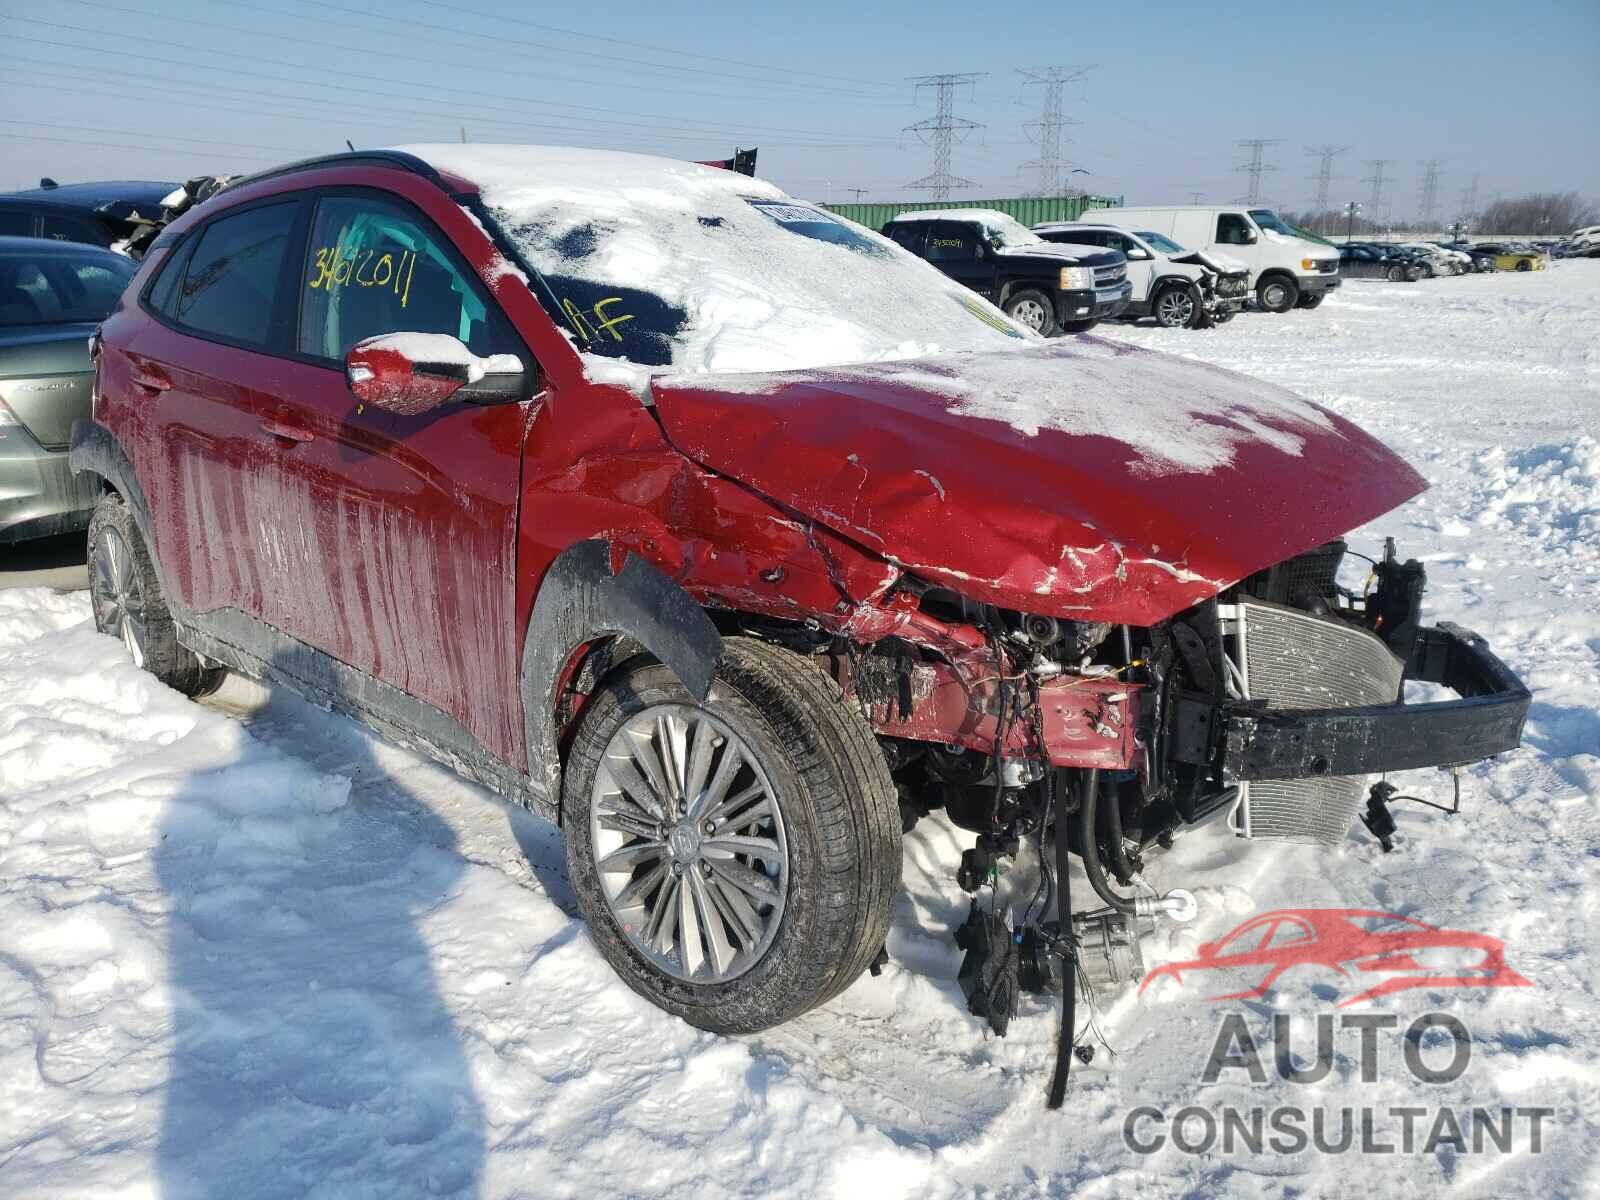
{"x": 171, "y": 88}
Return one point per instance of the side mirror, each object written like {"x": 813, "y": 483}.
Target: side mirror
{"x": 1250, "y": 238}
{"x": 413, "y": 373}
{"x": 1137, "y": 255}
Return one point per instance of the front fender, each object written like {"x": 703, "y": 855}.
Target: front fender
{"x": 582, "y": 600}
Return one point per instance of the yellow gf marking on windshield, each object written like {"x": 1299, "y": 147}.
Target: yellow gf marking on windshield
{"x": 607, "y": 323}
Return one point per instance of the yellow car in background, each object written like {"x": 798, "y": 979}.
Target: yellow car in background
{"x": 1510, "y": 257}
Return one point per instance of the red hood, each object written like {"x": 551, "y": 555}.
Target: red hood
{"x": 1083, "y": 478}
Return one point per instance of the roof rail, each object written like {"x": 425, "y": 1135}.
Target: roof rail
{"x": 381, "y": 158}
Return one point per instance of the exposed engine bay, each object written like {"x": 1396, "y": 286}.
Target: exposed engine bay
{"x": 1267, "y": 706}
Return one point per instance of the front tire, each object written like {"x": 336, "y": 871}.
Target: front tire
{"x": 1524, "y": 265}
{"x": 128, "y": 603}
{"x": 1033, "y": 310}
{"x": 736, "y": 860}
{"x": 1277, "y": 294}
{"x": 1310, "y": 302}
{"x": 1174, "y": 307}
{"x": 1079, "y": 326}
{"x": 1396, "y": 274}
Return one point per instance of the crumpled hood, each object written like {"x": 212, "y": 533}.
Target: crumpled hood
{"x": 1080, "y": 478}
{"x": 1222, "y": 264}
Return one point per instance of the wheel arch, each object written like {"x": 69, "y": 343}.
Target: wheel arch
{"x": 584, "y": 605}
{"x": 94, "y": 450}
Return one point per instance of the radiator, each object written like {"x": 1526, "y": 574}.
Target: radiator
{"x": 1292, "y": 659}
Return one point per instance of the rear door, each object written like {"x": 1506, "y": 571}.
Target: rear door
{"x": 400, "y": 530}
{"x": 204, "y": 374}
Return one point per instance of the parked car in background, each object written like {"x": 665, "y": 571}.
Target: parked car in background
{"x": 1588, "y": 236}
{"x": 1365, "y": 261}
{"x": 52, "y": 296}
{"x": 1180, "y": 288}
{"x": 1286, "y": 270}
{"x": 709, "y": 524}
{"x": 1482, "y": 260}
{"x": 1512, "y": 256}
{"x": 1048, "y": 287}
{"x": 1456, "y": 261}
{"x": 99, "y": 214}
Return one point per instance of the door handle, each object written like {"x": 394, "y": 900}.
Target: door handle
{"x": 285, "y": 432}
{"x": 154, "y": 384}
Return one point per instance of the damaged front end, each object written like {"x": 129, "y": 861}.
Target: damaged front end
{"x": 1115, "y": 612}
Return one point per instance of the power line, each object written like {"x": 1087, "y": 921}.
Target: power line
{"x": 522, "y": 103}
{"x": 942, "y": 130}
{"x": 1430, "y": 192}
{"x": 661, "y": 49}
{"x": 1256, "y": 167}
{"x": 1046, "y": 131}
{"x": 1324, "y": 175}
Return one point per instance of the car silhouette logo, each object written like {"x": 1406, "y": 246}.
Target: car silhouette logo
{"x": 1397, "y": 953}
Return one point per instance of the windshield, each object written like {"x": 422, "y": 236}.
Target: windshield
{"x": 1163, "y": 245}
{"x": 691, "y": 268}
{"x": 1268, "y": 219}
{"x": 1007, "y": 231}
{"x": 60, "y": 288}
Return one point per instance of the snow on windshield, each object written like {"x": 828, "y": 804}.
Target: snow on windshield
{"x": 671, "y": 264}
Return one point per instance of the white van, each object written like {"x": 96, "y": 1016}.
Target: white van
{"x": 1286, "y": 270}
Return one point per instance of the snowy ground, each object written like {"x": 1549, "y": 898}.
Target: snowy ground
{"x": 248, "y": 950}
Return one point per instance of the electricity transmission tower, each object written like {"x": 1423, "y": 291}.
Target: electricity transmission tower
{"x": 1047, "y": 129}
{"x": 1324, "y": 175}
{"x": 1430, "y": 192}
{"x": 1376, "y": 205}
{"x": 942, "y": 130}
{"x": 1256, "y": 166}
{"x": 1469, "y": 200}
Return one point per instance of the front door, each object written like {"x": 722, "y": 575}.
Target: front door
{"x": 411, "y": 574}
{"x": 959, "y": 251}
{"x": 1237, "y": 235}
{"x": 1141, "y": 266}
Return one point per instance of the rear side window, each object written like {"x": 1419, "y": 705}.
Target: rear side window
{"x": 949, "y": 242}
{"x": 60, "y": 289}
{"x": 163, "y": 294}
{"x": 231, "y": 282}
{"x": 16, "y": 223}
{"x": 373, "y": 267}
{"x": 72, "y": 229}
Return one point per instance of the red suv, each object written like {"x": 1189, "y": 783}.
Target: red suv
{"x": 734, "y": 537}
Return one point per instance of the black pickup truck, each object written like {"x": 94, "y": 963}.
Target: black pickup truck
{"x": 1050, "y": 287}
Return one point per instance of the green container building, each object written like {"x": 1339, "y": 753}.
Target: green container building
{"x": 1030, "y": 210}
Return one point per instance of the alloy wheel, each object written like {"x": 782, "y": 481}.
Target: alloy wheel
{"x": 1030, "y": 313}
{"x": 1175, "y": 309}
{"x": 117, "y": 593}
{"x": 689, "y": 843}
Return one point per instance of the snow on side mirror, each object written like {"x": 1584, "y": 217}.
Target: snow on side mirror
{"x": 413, "y": 373}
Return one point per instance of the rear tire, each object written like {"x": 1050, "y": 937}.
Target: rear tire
{"x": 1277, "y": 294}
{"x": 1396, "y": 274}
{"x": 1524, "y": 265}
{"x": 1033, "y": 310}
{"x": 813, "y": 895}
{"x": 1079, "y": 326}
{"x": 128, "y": 604}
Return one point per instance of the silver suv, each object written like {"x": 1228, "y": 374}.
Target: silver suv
{"x": 1180, "y": 288}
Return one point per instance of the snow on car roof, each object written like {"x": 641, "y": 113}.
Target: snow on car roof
{"x": 668, "y": 263}
{"x": 952, "y": 214}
